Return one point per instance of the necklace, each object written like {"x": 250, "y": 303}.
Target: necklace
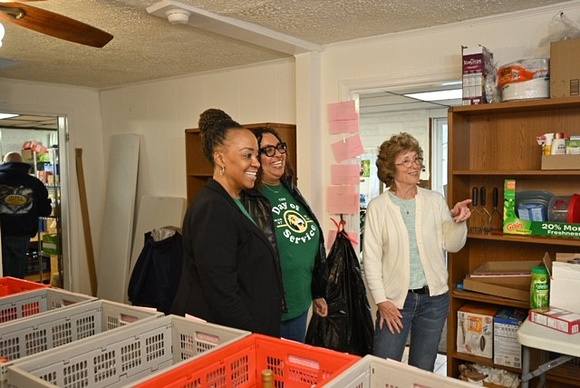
{"x": 272, "y": 190}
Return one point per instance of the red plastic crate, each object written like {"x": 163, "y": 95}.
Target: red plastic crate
{"x": 240, "y": 365}
{"x": 11, "y": 286}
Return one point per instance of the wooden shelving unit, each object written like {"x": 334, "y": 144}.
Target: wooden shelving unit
{"x": 488, "y": 144}
{"x": 199, "y": 170}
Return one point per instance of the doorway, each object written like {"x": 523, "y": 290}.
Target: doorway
{"x": 420, "y": 110}
{"x": 40, "y": 140}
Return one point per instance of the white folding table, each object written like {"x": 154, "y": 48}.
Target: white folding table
{"x": 533, "y": 335}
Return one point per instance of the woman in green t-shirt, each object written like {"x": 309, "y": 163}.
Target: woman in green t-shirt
{"x": 296, "y": 233}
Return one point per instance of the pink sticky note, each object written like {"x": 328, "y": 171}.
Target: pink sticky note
{"x": 342, "y": 200}
{"x": 342, "y": 111}
{"x": 344, "y": 174}
{"x": 344, "y": 126}
{"x": 348, "y": 148}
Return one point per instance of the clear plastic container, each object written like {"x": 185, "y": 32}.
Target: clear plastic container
{"x": 565, "y": 209}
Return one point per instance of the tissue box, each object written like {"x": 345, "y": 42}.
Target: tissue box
{"x": 557, "y": 319}
{"x": 506, "y": 348}
{"x": 477, "y": 64}
{"x": 475, "y": 329}
{"x": 564, "y": 286}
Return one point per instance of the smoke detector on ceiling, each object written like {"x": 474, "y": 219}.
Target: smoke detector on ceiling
{"x": 177, "y": 16}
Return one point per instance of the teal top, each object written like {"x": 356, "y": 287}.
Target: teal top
{"x": 408, "y": 211}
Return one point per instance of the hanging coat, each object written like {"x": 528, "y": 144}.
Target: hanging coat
{"x": 156, "y": 275}
{"x": 349, "y": 325}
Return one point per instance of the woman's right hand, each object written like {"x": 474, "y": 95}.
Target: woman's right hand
{"x": 390, "y": 314}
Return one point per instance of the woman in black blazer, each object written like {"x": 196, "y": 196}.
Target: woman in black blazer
{"x": 230, "y": 275}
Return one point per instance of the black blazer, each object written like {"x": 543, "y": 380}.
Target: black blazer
{"x": 229, "y": 274}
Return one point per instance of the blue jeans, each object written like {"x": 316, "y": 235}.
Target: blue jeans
{"x": 14, "y": 249}
{"x": 295, "y": 328}
{"x": 423, "y": 317}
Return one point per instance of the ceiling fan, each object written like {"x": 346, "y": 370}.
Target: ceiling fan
{"x": 52, "y": 24}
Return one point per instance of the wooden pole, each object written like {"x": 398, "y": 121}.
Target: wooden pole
{"x": 86, "y": 223}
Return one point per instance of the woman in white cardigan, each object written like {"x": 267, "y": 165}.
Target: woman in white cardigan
{"x": 407, "y": 231}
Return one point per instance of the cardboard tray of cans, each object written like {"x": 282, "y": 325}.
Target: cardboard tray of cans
{"x": 118, "y": 357}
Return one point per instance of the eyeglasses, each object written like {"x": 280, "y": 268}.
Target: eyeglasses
{"x": 409, "y": 162}
{"x": 271, "y": 150}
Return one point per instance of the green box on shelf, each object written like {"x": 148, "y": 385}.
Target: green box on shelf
{"x": 514, "y": 225}
{"x": 51, "y": 244}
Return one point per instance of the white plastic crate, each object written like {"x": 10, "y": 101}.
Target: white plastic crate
{"x": 118, "y": 357}
{"x": 38, "y": 301}
{"x": 376, "y": 372}
{"x": 31, "y": 335}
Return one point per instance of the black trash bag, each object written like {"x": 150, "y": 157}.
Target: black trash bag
{"x": 349, "y": 325}
{"x": 157, "y": 272}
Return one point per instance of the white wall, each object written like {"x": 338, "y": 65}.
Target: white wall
{"x": 82, "y": 107}
{"x": 161, "y": 110}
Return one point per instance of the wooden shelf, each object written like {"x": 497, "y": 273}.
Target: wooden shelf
{"x": 526, "y": 239}
{"x": 541, "y": 174}
{"x": 36, "y": 277}
{"x": 488, "y": 144}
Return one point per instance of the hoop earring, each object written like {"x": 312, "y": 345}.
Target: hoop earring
{"x": 223, "y": 171}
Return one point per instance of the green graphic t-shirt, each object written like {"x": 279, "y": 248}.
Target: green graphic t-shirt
{"x": 298, "y": 240}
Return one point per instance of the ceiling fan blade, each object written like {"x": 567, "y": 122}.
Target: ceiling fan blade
{"x": 53, "y": 24}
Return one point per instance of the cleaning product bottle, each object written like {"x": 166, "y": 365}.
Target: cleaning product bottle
{"x": 558, "y": 144}
{"x": 540, "y": 289}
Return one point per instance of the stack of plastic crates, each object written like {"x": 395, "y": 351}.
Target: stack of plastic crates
{"x": 24, "y": 304}
{"x": 241, "y": 364}
{"x": 118, "y": 357}
{"x": 35, "y": 334}
{"x": 375, "y": 372}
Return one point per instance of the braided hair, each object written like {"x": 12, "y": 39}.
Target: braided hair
{"x": 214, "y": 125}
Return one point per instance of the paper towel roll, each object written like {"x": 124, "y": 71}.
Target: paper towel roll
{"x": 535, "y": 88}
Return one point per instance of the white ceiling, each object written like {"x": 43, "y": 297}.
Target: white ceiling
{"x": 146, "y": 47}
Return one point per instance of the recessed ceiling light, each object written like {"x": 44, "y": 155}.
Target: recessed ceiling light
{"x": 437, "y": 96}
{"x": 7, "y": 115}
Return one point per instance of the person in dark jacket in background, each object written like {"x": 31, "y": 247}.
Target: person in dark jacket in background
{"x": 276, "y": 203}
{"x": 23, "y": 198}
{"x": 230, "y": 273}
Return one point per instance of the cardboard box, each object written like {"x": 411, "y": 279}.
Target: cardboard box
{"x": 27, "y": 155}
{"x": 564, "y": 286}
{"x": 517, "y": 288}
{"x": 506, "y": 348}
{"x": 477, "y": 64}
{"x": 514, "y": 225}
{"x": 557, "y": 319}
{"x": 565, "y": 68}
{"x": 51, "y": 244}
{"x": 506, "y": 268}
{"x": 560, "y": 162}
{"x": 475, "y": 329}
